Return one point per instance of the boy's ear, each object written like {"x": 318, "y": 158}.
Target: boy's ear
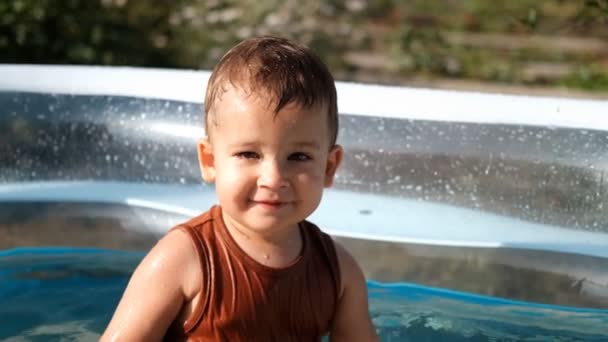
{"x": 334, "y": 158}
{"x": 206, "y": 160}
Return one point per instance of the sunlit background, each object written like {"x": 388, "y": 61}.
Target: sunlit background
{"x": 552, "y": 47}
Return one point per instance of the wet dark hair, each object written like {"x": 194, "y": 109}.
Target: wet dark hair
{"x": 287, "y": 71}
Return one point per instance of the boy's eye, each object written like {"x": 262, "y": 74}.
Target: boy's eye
{"x": 247, "y": 155}
{"x": 299, "y": 156}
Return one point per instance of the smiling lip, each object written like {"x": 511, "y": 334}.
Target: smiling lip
{"x": 270, "y": 204}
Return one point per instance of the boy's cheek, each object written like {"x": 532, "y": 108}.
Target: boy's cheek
{"x": 234, "y": 177}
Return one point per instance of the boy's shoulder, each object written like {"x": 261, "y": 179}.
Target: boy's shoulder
{"x": 201, "y": 219}
{"x": 176, "y": 245}
{"x": 347, "y": 266}
{"x": 195, "y": 228}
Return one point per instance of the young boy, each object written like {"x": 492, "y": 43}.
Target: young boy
{"x": 252, "y": 268}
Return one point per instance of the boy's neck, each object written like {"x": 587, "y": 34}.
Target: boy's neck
{"x": 279, "y": 249}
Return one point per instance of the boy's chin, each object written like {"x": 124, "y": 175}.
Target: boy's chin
{"x": 267, "y": 217}
{"x": 264, "y": 221}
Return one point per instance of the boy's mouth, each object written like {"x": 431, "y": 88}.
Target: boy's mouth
{"x": 270, "y": 204}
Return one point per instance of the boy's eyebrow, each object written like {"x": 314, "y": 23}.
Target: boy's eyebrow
{"x": 309, "y": 144}
{"x": 299, "y": 144}
{"x": 243, "y": 144}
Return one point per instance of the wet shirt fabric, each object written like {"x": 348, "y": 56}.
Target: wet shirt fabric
{"x": 243, "y": 300}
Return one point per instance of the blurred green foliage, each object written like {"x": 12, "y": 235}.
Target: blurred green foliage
{"x": 560, "y": 43}
{"x": 87, "y": 32}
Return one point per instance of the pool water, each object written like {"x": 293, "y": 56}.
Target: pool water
{"x": 67, "y": 294}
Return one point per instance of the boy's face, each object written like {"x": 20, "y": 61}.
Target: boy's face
{"x": 269, "y": 170}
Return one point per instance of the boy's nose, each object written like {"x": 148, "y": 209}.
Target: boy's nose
{"x": 272, "y": 175}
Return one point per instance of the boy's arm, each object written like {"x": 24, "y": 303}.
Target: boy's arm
{"x": 158, "y": 288}
{"x": 352, "y": 322}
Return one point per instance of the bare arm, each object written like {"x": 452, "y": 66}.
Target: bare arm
{"x": 159, "y": 287}
{"x": 352, "y": 322}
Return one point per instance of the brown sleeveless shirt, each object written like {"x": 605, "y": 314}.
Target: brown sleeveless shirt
{"x": 243, "y": 300}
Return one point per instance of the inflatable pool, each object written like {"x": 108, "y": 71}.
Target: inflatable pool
{"x": 475, "y": 216}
